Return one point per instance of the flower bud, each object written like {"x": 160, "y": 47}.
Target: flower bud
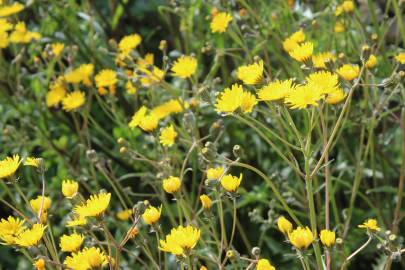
{"x": 284, "y": 225}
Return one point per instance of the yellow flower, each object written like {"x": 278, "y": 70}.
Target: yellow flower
{"x": 370, "y": 224}
{"x": 251, "y": 74}
{"x": 87, "y": 258}
{"x": 69, "y": 188}
{"x": 205, "y": 201}
{"x": 230, "y": 99}
{"x": 215, "y": 173}
{"x": 184, "y": 67}
{"x": 39, "y": 264}
{"x": 5, "y": 25}
{"x": 129, "y": 43}
{"x": 22, "y": 35}
{"x": 124, "y": 214}
{"x": 57, "y": 48}
{"x": 339, "y": 10}
{"x": 168, "y": 136}
{"x": 293, "y": 41}
{"x": 9, "y": 166}
{"x": 4, "y": 39}
{"x": 46, "y": 203}
{"x": 10, "y": 228}
{"x": 264, "y": 264}
{"x": 172, "y": 184}
{"x": 138, "y": 117}
{"x": 106, "y": 78}
{"x": 400, "y": 58}
{"x": 220, "y": 22}
{"x": 326, "y": 81}
{"x": 31, "y": 161}
{"x": 348, "y": 6}
{"x": 327, "y": 238}
{"x": 56, "y": 93}
{"x": 151, "y": 215}
{"x": 371, "y": 62}
{"x": 339, "y": 27}
{"x": 180, "y": 240}
{"x": 31, "y": 237}
{"x": 335, "y": 97}
{"x": 8, "y": 10}
{"x": 78, "y": 221}
{"x": 169, "y": 107}
{"x": 149, "y": 123}
{"x": 248, "y": 102}
{"x": 302, "y": 52}
{"x": 80, "y": 74}
{"x": 303, "y": 96}
{"x": 230, "y": 182}
{"x": 276, "y": 90}
{"x": 284, "y": 225}
{"x": 319, "y": 60}
{"x": 95, "y": 206}
{"x": 71, "y": 243}
{"x": 301, "y": 238}
{"x": 348, "y": 72}
{"x": 131, "y": 89}
{"x": 152, "y": 74}
{"x": 73, "y": 100}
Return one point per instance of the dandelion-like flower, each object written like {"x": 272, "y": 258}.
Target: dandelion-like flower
{"x": 180, "y": 241}
{"x": 9, "y": 166}
{"x": 264, "y": 264}
{"x": 124, "y": 214}
{"x": 301, "y": 238}
{"x": 55, "y": 94}
{"x": 251, "y": 74}
{"x": 215, "y": 173}
{"x": 44, "y": 201}
{"x": 73, "y": 100}
{"x": 168, "y": 136}
{"x": 39, "y": 264}
{"x": 184, "y": 67}
{"x": 152, "y": 215}
{"x": 231, "y": 183}
{"x": 230, "y": 99}
{"x": 303, "y": 95}
{"x": 284, "y": 225}
{"x": 128, "y": 43}
{"x": 328, "y": 238}
{"x": 22, "y": 35}
{"x": 276, "y": 90}
{"x": 220, "y": 22}
{"x": 339, "y": 27}
{"x": 371, "y": 61}
{"x": 8, "y": 10}
{"x": 302, "y": 52}
{"x": 400, "y": 58}
{"x": 87, "y": 258}
{"x": 249, "y": 101}
{"x": 326, "y": 81}
{"x": 335, "y": 97}
{"x": 80, "y": 74}
{"x": 95, "y": 206}
{"x": 69, "y": 188}
{"x": 106, "y": 78}
{"x": 10, "y": 229}
{"x": 77, "y": 221}
{"x": 348, "y": 72}
{"x": 206, "y": 201}
{"x": 31, "y": 237}
{"x": 31, "y": 161}
{"x": 171, "y": 184}
{"x": 71, "y": 243}
{"x": 57, "y": 48}
{"x": 293, "y": 40}
{"x": 319, "y": 60}
{"x": 370, "y": 224}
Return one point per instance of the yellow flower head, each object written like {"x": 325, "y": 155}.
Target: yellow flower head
{"x": 44, "y": 201}
{"x": 303, "y": 96}
{"x": 4, "y": 38}
{"x": 71, "y": 243}
{"x": 371, "y": 61}
{"x": 87, "y": 258}
{"x": 348, "y": 72}
{"x": 10, "y": 228}
{"x": 80, "y": 74}
{"x": 264, "y": 264}
{"x": 129, "y": 43}
{"x": 106, "y": 78}
{"x": 168, "y": 136}
{"x": 335, "y": 97}
{"x": 95, "y": 206}
{"x": 231, "y": 183}
{"x": 138, "y": 117}
{"x": 172, "y": 184}
{"x": 55, "y": 94}
{"x": 149, "y": 123}
{"x": 78, "y": 221}
{"x": 39, "y": 264}
{"x": 276, "y": 90}
{"x": 215, "y": 173}
{"x": 327, "y": 238}
{"x": 22, "y": 35}
{"x": 184, "y": 67}
{"x": 319, "y": 60}
{"x": 57, "y": 48}
{"x": 124, "y": 214}
{"x": 151, "y": 215}
{"x": 370, "y": 224}
{"x": 73, "y": 100}
{"x": 251, "y": 74}
{"x": 220, "y": 22}
{"x": 400, "y": 58}
{"x": 248, "y": 102}
{"x": 31, "y": 161}
{"x": 293, "y": 41}
{"x": 69, "y": 188}
{"x": 230, "y": 99}
{"x": 284, "y": 225}
{"x": 31, "y": 237}
{"x": 180, "y": 240}
{"x": 9, "y": 166}
{"x": 131, "y": 89}
{"x": 205, "y": 201}
{"x": 348, "y": 6}
{"x": 326, "y": 81}
{"x": 301, "y": 238}
{"x": 302, "y": 52}
{"x": 8, "y": 10}
{"x": 339, "y": 27}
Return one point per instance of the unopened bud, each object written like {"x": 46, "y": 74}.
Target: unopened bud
{"x": 256, "y": 251}
{"x": 237, "y": 151}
